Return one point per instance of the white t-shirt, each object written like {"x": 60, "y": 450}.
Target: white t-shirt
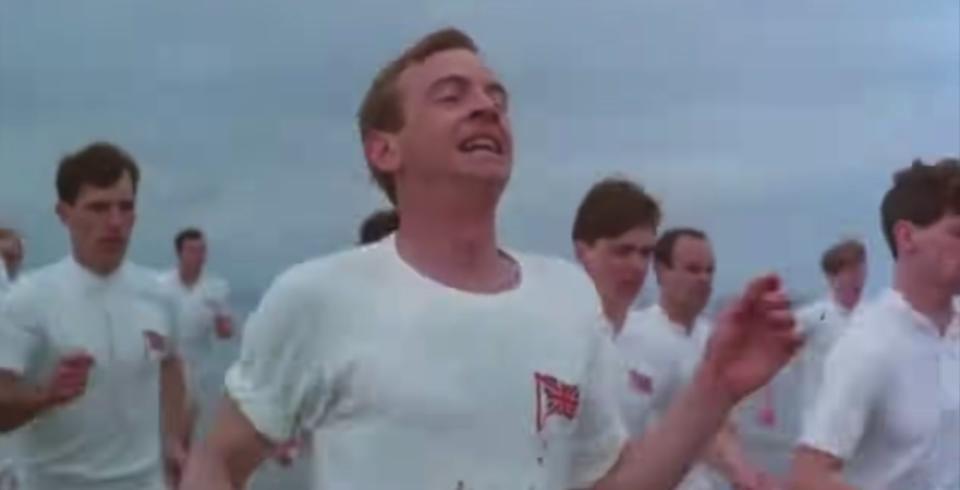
{"x": 109, "y": 438}
{"x": 660, "y": 358}
{"x": 409, "y": 384}
{"x": 889, "y": 405}
{"x": 198, "y": 307}
{"x": 821, "y": 324}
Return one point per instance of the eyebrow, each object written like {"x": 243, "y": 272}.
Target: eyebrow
{"x": 462, "y": 81}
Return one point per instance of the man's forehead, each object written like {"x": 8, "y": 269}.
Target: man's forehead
{"x": 123, "y": 188}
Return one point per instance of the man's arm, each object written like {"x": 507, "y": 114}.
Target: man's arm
{"x": 19, "y": 403}
{"x": 727, "y": 455}
{"x": 229, "y": 454}
{"x": 177, "y": 420}
{"x": 174, "y": 400}
{"x": 662, "y": 457}
{"x": 753, "y": 340}
{"x": 816, "y": 470}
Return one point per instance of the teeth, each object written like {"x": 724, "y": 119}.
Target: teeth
{"x": 482, "y": 143}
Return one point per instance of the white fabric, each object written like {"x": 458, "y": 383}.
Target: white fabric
{"x": 660, "y": 358}
{"x": 108, "y": 439}
{"x": 821, "y": 324}
{"x": 9, "y": 472}
{"x": 408, "y": 384}
{"x": 889, "y": 405}
{"x": 197, "y": 309}
{"x": 4, "y": 279}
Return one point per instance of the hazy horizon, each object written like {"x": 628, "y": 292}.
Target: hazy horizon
{"x": 775, "y": 127}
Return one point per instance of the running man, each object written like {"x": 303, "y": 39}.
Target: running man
{"x": 437, "y": 359}
{"x": 844, "y": 265}
{"x": 203, "y": 309}
{"x": 887, "y": 415}
{"x": 88, "y": 368}
{"x": 662, "y": 345}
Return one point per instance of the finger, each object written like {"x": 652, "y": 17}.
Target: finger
{"x": 789, "y": 342}
{"x": 79, "y": 360}
{"x": 774, "y": 300}
{"x": 73, "y": 374}
{"x": 780, "y": 320}
{"x": 761, "y": 285}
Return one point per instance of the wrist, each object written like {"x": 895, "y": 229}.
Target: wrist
{"x": 41, "y": 399}
{"x": 710, "y": 390}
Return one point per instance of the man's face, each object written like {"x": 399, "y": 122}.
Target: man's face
{"x": 935, "y": 251}
{"x": 689, "y": 281}
{"x": 11, "y": 254}
{"x": 193, "y": 254}
{"x": 455, "y": 122}
{"x": 100, "y": 222}
{"x": 618, "y": 266}
{"x": 847, "y": 284}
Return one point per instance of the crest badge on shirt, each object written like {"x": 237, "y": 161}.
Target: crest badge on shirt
{"x": 640, "y": 382}
{"x": 555, "y": 398}
{"x": 155, "y": 343}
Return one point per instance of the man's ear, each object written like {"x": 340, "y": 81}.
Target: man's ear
{"x": 63, "y": 211}
{"x": 382, "y": 151}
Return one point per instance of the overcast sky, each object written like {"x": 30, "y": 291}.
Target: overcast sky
{"x": 773, "y": 125}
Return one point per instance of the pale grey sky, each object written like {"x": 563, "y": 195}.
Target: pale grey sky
{"x": 773, "y": 125}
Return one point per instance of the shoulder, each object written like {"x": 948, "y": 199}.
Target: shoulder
{"x": 36, "y": 288}
{"x": 149, "y": 284}
{"x": 331, "y": 271}
{"x": 813, "y": 312}
{"x": 644, "y": 334}
{"x": 870, "y": 340}
{"x": 559, "y": 278}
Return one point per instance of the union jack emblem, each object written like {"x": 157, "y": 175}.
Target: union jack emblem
{"x": 641, "y": 382}
{"x": 155, "y": 342}
{"x": 554, "y": 397}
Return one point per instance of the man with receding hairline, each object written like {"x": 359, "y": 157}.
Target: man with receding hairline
{"x": 439, "y": 359}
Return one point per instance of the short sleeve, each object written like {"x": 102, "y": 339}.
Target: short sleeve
{"x": 278, "y": 379}
{"x": 218, "y": 296}
{"x": 600, "y": 434}
{"x": 21, "y": 334}
{"x": 851, "y": 382}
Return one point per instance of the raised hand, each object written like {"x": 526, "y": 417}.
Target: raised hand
{"x": 754, "y": 338}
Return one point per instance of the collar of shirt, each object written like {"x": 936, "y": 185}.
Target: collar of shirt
{"x": 925, "y": 324}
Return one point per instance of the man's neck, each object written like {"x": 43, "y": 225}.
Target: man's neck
{"x": 616, "y": 314}
{"x": 188, "y": 277}
{"x": 456, "y": 247}
{"x": 99, "y": 270}
{"x": 679, "y": 315}
{"x": 845, "y": 306}
{"x": 931, "y": 301}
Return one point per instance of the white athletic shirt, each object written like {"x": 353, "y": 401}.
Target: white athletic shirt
{"x": 197, "y": 310}
{"x": 409, "y": 384}
{"x": 660, "y": 358}
{"x": 109, "y": 438}
{"x": 889, "y": 405}
{"x": 821, "y": 324}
